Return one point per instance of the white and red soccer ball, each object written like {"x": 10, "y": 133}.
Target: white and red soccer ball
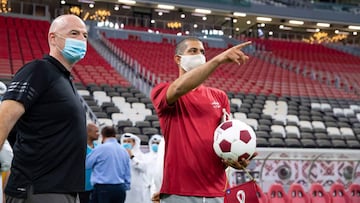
{"x": 234, "y": 140}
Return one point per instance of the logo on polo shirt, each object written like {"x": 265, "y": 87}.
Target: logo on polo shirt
{"x": 21, "y": 189}
{"x": 215, "y": 104}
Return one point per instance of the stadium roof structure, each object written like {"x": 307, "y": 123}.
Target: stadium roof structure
{"x": 240, "y": 17}
{"x": 269, "y": 18}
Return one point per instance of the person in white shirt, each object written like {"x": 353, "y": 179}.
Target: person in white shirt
{"x": 138, "y": 192}
{"x": 152, "y": 165}
{"x": 157, "y": 177}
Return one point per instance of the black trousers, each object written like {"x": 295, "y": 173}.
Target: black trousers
{"x": 108, "y": 193}
{"x": 85, "y": 196}
{"x": 46, "y": 197}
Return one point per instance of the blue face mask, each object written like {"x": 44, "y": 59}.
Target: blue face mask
{"x": 74, "y": 50}
{"x": 155, "y": 147}
{"x": 127, "y": 146}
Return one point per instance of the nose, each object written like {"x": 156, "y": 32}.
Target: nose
{"x": 83, "y": 38}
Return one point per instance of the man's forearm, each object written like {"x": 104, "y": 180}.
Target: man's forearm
{"x": 194, "y": 78}
{"x": 10, "y": 112}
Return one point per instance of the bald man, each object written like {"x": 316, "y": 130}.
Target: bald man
{"x": 49, "y": 153}
{"x": 92, "y": 138}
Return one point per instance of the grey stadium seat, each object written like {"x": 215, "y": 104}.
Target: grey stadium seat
{"x": 151, "y": 118}
{"x": 339, "y": 144}
{"x": 113, "y": 94}
{"x": 145, "y": 100}
{"x": 307, "y": 135}
{"x": 353, "y": 144}
{"x": 265, "y": 128}
{"x": 292, "y": 142}
{"x": 262, "y": 142}
{"x": 112, "y": 109}
{"x": 126, "y": 94}
{"x": 263, "y": 121}
{"x": 104, "y": 105}
{"x": 155, "y": 124}
{"x": 262, "y": 134}
{"x": 149, "y": 131}
{"x": 276, "y": 142}
{"x": 308, "y": 143}
{"x": 132, "y": 99}
{"x": 133, "y": 130}
{"x": 101, "y": 115}
{"x": 322, "y": 143}
{"x": 321, "y": 136}
{"x": 331, "y": 124}
{"x": 142, "y": 124}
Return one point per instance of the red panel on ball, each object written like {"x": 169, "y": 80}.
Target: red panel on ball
{"x": 225, "y": 146}
{"x": 245, "y": 136}
{"x": 226, "y": 125}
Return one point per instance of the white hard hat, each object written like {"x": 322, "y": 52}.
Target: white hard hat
{"x": 3, "y": 88}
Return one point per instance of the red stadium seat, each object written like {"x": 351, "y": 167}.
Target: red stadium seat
{"x": 354, "y": 193}
{"x": 261, "y": 195}
{"x": 338, "y": 194}
{"x": 297, "y": 194}
{"x": 318, "y": 194}
{"x": 277, "y": 194}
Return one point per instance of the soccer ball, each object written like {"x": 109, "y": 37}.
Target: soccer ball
{"x": 234, "y": 140}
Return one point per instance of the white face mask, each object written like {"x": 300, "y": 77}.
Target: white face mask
{"x": 189, "y": 62}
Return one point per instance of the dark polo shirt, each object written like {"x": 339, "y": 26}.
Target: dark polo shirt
{"x": 50, "y": 148}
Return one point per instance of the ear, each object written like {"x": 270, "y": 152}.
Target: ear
{"x": 177, "y": 59}
{"x": 51, "y": 38}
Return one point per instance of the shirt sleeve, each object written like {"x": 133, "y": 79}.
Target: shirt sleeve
{"x": 29, "y": 83}
{"x": 139, "y": 162}
{"x": 127, "y": 174}
{"x": 227, "y": 103}
{"x": 158, "y": 97}
{"x": 91, "y": 159}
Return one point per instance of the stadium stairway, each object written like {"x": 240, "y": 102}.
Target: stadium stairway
{"x": 124, "y": 68}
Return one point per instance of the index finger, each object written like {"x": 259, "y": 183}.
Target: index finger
{"x": 254, "y": 155}
{"x": 242, "y": 45}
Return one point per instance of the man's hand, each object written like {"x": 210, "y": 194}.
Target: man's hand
{"x": 156, "y": 197}
{"x": 239, "y": 164}
{"x": 129, "y": 151}
{"x": 233, "y": 54}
